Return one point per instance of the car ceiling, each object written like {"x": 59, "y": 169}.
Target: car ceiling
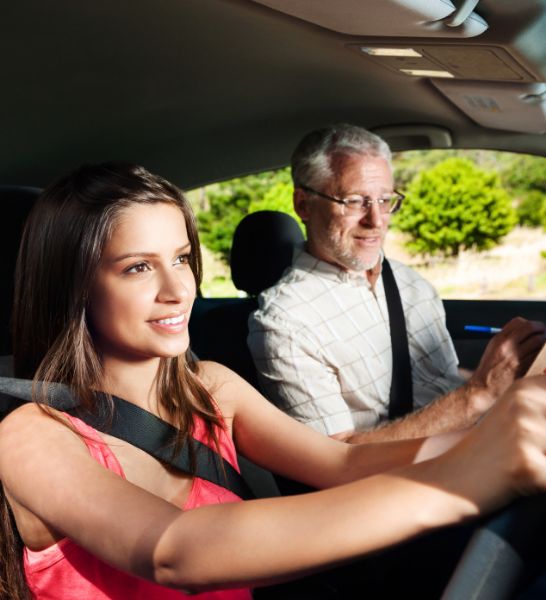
{"x": 202, "y": 90}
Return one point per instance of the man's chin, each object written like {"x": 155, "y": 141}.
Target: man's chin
{"x": 357, "y": 264}
{"x": 368, "y": 263}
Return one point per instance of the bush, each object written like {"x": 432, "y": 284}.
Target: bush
{"x": 531, "y": 210}
{"x": 455, "y": 206}
{"x": 526, "y": 173}
{"x": 227, "y": 203}
{"x": 280, "y": 198}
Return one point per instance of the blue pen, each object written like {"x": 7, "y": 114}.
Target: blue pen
{"x": 482, "y": 328}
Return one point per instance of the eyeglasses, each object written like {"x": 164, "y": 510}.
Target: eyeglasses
{"x": 388, "y": 204}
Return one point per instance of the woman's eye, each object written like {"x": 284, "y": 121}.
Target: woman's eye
{"x": 139, "y": 268}
{"x": 182, "y": 259}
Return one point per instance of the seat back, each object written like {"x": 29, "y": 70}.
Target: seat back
{"x": 262, "y": 249}
{"x": 263, "y": 246}
{"x": 15, "y": 203}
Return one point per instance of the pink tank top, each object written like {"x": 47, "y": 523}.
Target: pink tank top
{"x": 65, "y": 571}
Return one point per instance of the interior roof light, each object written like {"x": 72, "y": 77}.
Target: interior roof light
{"x": 391, "y": 51}
{"x": 427, "y": 73}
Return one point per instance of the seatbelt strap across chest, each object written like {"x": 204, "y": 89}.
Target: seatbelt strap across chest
{"x": 401, "y": 392}
{"x": 144, "y": 430}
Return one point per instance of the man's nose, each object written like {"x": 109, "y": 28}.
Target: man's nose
{"x": 372, "y": 216}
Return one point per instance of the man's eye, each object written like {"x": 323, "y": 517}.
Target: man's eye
{"x": 182, "y": 259}
{"x": 354, "y": 201}
{"x": 138, "y": 268}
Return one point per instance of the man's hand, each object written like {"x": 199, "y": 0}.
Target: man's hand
{"x": 507, "y": 356}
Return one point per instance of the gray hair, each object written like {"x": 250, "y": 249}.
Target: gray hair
{"x": 311, "y": 158}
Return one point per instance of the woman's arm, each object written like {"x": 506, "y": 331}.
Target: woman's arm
{"x": 268, "y": 437}
{"x": 45, "y": 468}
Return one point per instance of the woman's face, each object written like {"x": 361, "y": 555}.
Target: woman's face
{"x": 141, "y": 299}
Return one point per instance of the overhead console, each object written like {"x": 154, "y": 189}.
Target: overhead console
{"x": 450, "y": 61}
{"x": 398, "y": 18}
{"x": 512, "y": 107}
{"x": 487, "y": 81}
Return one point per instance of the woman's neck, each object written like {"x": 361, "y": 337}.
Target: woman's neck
{"x": 132, "y": 381}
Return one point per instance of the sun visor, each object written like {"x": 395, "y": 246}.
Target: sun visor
{"x": 401, "y": 18}
{"x": 509, "y": 106}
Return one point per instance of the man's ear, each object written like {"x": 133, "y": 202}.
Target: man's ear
{"x": 301, "y": 204}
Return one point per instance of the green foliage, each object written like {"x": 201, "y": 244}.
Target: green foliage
{"x": 526, "y": 177}
{"x": 453, "y": 206}
{"x": 475, "y": 213}
{"x": 531, "y": 209}
{"x": 526, "y": 173}
{"x": 227, "y": 203}
{"x": 279, "y": 198}
{"x": 408, "y": 164}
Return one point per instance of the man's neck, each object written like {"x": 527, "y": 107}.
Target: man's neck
{"x": 374, "y": 273}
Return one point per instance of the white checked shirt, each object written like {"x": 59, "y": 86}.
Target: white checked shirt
{"x": 321, "y": 344}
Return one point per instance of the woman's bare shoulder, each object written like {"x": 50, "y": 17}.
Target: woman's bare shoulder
{"x": 28, "y": 430}
{"x": 18, "y": 421}
{"x": 28, "y": 415}
{"x": 214, "y": 374}
{"x": 224, "y": 385}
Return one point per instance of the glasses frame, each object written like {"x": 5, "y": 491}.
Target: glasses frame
{"x": 345, "y": 202}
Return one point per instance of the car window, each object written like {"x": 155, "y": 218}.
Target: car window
{"x": 473, "y": 222}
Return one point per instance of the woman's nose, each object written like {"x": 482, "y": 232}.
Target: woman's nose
{"x": 172, "y": 288}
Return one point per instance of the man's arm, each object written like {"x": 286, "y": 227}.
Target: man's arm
{"x": 506, "y": 357}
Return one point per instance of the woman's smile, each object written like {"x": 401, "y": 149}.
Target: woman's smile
{"x": 171, "y": 324}
{"x": 141, "y": 300}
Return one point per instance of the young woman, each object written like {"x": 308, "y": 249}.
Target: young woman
{"x": 107, "y": 274}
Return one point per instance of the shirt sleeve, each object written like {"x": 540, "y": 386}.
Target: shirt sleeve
{"x": 434, "y": 359}
{"x": 295, "y": 374}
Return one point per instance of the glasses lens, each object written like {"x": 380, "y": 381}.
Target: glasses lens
{"x": 387, "y": 205}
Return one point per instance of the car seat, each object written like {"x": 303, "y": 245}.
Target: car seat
{"x": 16, "y": 202}
{"x": 262, "y": 249}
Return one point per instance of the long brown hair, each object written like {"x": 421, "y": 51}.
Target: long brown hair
{"x": 60, "y": 251}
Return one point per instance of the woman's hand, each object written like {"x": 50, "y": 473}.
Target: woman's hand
{"x": 503, "y": 456}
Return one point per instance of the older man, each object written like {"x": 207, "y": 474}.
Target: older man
{"x": 321, "y": 338}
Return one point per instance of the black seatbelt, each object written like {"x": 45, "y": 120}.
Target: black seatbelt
{"x": 401, "y": 394}
{"x": 144, "y": 430}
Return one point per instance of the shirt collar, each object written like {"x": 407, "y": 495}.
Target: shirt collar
{"x": 306, "y": 262}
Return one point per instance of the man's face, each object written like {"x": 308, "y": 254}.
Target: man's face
{"x": 352, "y": 242}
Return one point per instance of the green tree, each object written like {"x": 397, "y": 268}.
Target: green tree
{"x": 454, "y": 206}
{"x": 279, "y": 198}
{"x": 531, "y": 209}
{"x": 227, "y": 203}
{"x": 525, "y": 177}
{"x": 525, "y": 173}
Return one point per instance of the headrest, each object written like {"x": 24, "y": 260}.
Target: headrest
{"x": 262, "y": 249}
{"x": 15, "y": 204}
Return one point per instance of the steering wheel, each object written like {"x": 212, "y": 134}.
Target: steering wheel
{"x": 495, "y": 564}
